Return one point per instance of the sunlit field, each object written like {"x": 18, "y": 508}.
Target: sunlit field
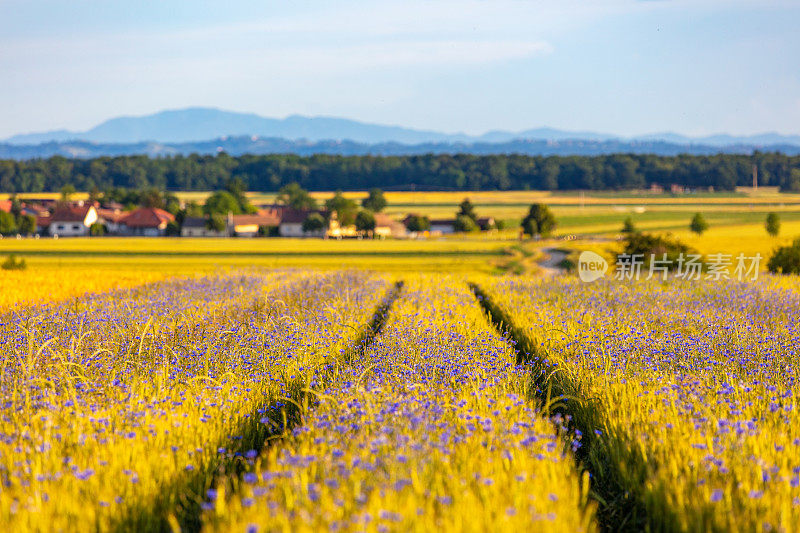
{"x": 441, "y": 384}
{"x": 301, "y": 400}
{"x": 590, "y": 212}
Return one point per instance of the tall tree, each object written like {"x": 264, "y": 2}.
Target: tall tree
{"x": 7, "y": 223}
{"x": 222, "y": 202}
{"x": 418, "y": 223}
{"x": 628, "y": 226}
{"x": 365, "y": 221}
{"x": 375, "y": 202}
{"x": 466, "y": 209}
{"x": 345, "y": 208}
{"x": 773, "y": 224}
{"x": 66, "y": 192}
{"x": 294, "y": 196}
{"x": 540, "y": 221}
{"x": 26, "y": 224}
{"x": 698, "y": 224}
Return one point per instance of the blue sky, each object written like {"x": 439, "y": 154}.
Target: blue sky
{"x": 627, "y": 67}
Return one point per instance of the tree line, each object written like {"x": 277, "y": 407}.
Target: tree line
{"x": 464, "y": 172}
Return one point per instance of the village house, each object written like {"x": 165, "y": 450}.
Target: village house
{"x": 42, "y": 224}
{"x": 198, "y": 227}
{"x": 386, "y": 226}
{"x": 249, "y": 225}
{"x": 34, "y": 210}
{"x": 69, "y": 221}
{"x": 110, "y": 218}
{"x": 442, "y": 226}
{"x": 292, "y": 223}
{"x": 485, "y": 223}
{"x": 336, "y": 230}
{"x": 146, "y": 222}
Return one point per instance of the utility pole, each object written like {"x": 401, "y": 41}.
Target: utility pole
{"x": 755, "y": 178}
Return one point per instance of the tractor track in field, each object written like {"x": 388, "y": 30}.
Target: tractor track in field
{"x": 621, "y": 507}
{"x": 186, "y": 516}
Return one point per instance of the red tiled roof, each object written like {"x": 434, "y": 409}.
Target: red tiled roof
{"x": 5, "y": 205}
{"x": 70, "y": 214}
{"x": 110, "y": 215}
{"x": 259, "y": 220}
{"x": 384, "y": 220}
{"x": 147, "y": 217}
{"x": 294, "y": 216}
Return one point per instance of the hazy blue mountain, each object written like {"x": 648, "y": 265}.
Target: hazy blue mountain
{"x": 544, "y": 134}
{"x": 201, "y": 124}
{"x": 38, "y": 138}
{"x": 240, "y": 145}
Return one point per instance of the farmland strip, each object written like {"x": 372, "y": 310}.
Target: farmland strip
{"x": 621, "y": 507}
{"x": 692, "y": 387}
{"x": 427, "y": 430}
{"x": 123, "y": 396}
{"x": 283, "y": 415}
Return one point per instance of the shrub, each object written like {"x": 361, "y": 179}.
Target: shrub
{"x": 26, "y": 224}
{"x": 173, "y": 229}
{"x": 13, "y": 264}
{"x": 97, "y": 230}
{"x": 698, "y": 224}
{"x": 649, "y": 245}
{"x": 627, "y": 226}
{"x": 375, "y": 202}
{"x": 314, "y": 222}
{"x": 773, "y": 224}
{"x": 418, "y": 223}
{"x": 539, "y": 221}
{"x": 465, "y": 224}
{"x": 785, "y": 259}
{"x": 365, "y": 221}
{"x": 8, "y": 224}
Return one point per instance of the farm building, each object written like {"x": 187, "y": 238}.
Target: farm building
{"x": 69, "y": 221}
{"x": 292, "y": 223}
{"x": 146, "y": 221}
{"x": 198, "y": 227}
{"x": 386, "y": 226}
{"x": 248, "y": 225}
{"x": 443, "y": 225}
{"x": 110, "y": 218}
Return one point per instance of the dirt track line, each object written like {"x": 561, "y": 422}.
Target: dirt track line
{"x": 621, "y": 504}
{"x": 185, "y": 511}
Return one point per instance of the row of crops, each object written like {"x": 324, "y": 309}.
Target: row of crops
{"x": 301, "y": 401}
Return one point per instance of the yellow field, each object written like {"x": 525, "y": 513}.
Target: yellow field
{"x": 64, "y": 268}
{"x": 307, "y": 384}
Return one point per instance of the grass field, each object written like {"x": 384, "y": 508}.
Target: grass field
{"x": 165, "y": 384}
{"x": 69, "y": 267}
{"x": 593, "y": 213}
{"x": 307, "y": 400}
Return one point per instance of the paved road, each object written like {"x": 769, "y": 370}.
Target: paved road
{"x": 551, "y": 265}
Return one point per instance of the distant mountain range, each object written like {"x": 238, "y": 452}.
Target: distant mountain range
{"x": 206, "y": 130}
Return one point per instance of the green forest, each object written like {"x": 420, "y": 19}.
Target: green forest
{"x": 420, "y": 172}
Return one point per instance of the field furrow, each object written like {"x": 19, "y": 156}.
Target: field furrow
{"x": 428, "y": 429}
{"x": 120, "y": 409}
{"x": 684, "y": 394}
